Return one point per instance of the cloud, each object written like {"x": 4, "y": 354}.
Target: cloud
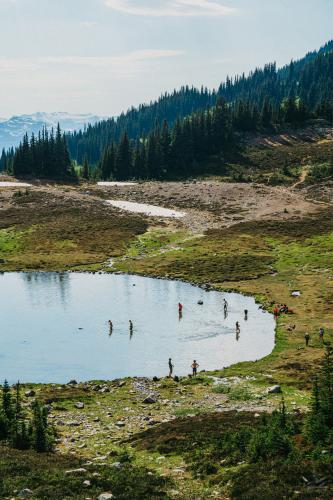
{"x": 121, "y": 65}
{"x": 174, "y": 8}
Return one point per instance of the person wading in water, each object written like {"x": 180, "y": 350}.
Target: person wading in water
{"x": 110, "y": 327}
{"x": 170, "y": 368}
{"x": 195, "y": 367}
{"x": 180, "y": 310}
{"x": 131, "y": 327}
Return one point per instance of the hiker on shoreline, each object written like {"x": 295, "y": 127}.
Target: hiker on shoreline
{"x": 195, "y": 367}
{"x": 170, "y": 368}
{"x": 307, "y": 339}
{"x": 321, "y": 334}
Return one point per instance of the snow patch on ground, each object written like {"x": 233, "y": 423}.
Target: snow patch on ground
{"x": 142, "y": 208}
{"x": 116, "y": 184}
{"x": 13, "y": 184}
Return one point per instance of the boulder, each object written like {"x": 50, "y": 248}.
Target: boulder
{"x": 25, "y": 493}
{"x": 120, "y": 424}
{"x": 116, "y": 465}
{"x": 275, "y": 389}
{"x": 149, "y": 400}
{"x": 79, "y": 405}
{"x": 30, "y": 394}
{"x": 105, "y": 496}
{"x": 76, "y": 472}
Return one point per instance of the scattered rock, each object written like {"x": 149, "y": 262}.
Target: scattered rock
{"x": 116, "y": 465}
{"x": 72, "y": 382}
{"x": 74, "y": 423}
{"x": 200, "y": 302}
{"x": 275, "y": 389}
{"x": 30, "y": 394}
{"x": 79, "y": 405}
{"x": 76, "y": 472}
{"x": 120, "y": 424}
{"x": 25, "y": 493}
{"x": 149, "y": 400}
{"x": 87, "y": 483}
{"x": 105, "y": 496}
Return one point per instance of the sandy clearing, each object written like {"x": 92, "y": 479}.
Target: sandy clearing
{"x": 14, "y": 184}
{"x": 107, "y": 184}
{"x": 143, "y": 208}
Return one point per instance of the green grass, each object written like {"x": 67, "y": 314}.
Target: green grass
{"x": 155, "y": 240}
{"x": 10, "y": 241}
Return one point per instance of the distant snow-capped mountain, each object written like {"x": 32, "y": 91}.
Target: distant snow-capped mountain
{"x": 13, "y": 129}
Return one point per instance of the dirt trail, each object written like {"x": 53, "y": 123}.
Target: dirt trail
{"x": 302, "y": 178}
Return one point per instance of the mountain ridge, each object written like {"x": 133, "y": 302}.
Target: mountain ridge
{"x": 13, "y": 129}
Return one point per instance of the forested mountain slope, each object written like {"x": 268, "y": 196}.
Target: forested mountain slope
{"x": 310, "y": 79}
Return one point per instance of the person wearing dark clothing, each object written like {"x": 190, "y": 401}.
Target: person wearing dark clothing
{"x": 307, "y": 339}
{"x": 170, "y": 368}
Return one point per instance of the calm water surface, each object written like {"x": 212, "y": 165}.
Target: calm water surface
{"x": 54, "y": 327}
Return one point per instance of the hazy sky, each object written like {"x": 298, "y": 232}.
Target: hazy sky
{"x": 102, "y": 56}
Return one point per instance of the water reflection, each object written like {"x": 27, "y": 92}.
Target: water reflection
{"x": 57, "y": 286}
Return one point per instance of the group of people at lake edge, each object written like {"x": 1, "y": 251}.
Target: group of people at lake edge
{"x": 194, "y": 367}
{"x": 307, "y": 336}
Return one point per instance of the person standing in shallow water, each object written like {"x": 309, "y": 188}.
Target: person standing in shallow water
{"x": 170, "y": 368}
{"x": 195, "y": 367}
{"x": 246, "y": 312}
{"x": 180, "y": 310}
{"x": 131, "y": 327}
{"x": 110, "y": 327}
